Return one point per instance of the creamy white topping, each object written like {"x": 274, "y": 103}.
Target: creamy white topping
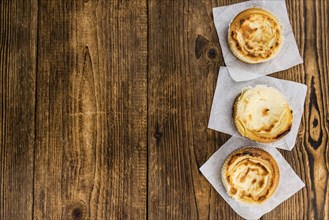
{"x": 262, "y": 112}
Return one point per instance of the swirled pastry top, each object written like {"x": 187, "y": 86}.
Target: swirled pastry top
{"x": 262, "y": 114}
{"x": 250, "y": 175}
{"x": 255, "y": 35}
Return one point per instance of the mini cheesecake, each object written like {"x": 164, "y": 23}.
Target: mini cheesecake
{"x": 262, "y": 114}
{"x": 250, "y": 175}
{"x": 255, "y": 36}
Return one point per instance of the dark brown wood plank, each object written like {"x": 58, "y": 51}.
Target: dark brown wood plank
{"x": 91, "y": 110}
{"x": 184, "y": 57}
{"x": 18, "y": 25}
{"x": 170, "y": 190}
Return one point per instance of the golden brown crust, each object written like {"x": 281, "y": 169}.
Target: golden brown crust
{"x": 255, "y": 35}
{"x": 262, "y": 114}
{"x": 250, "y": 175}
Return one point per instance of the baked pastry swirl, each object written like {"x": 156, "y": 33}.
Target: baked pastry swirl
{"x": 250, "y": 175}
{"x": 262, "y": 114}
{"x": 255, "y": 35}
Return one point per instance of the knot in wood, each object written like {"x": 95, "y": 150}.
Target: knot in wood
{"x": 77, "y": 213}
{"x": 212, "y": 53}
{"x": 157, "y": 135}
{"x": 201, "y": 44}
{"x": 76, "y": 210}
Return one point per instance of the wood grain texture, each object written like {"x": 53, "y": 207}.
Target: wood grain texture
{"x": 105, "y": 106}
{"x": 316, "y": 108}
{"x": 184, "y": 59}
{"x": 91, "y": 110}
{"x": 17, "y": 128}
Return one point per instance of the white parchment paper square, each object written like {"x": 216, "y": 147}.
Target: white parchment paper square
{"x": 227, "y": 90}
{"x": 288, "y": 56}
{"x": 289, "y": 183}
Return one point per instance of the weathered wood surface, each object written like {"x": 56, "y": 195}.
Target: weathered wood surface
{"x": 18, "y": 25}
{"x": 105, "y": 105}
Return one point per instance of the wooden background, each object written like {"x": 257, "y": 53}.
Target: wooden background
{"x": 105, "y": 105}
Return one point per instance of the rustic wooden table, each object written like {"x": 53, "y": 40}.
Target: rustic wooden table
{"x": 105, "y": 105}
